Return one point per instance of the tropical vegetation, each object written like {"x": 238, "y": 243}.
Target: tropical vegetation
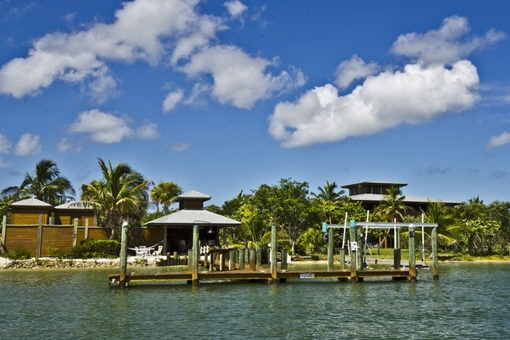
{"x": 123, "y": 194}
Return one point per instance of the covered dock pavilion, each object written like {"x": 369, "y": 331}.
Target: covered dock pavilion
{"x": 176, "y": 229}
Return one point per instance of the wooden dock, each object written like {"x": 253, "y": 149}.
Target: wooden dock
{"x": 356, "y": 272}
{"x": 261, "y": 275}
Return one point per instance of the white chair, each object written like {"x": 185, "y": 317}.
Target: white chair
{"x": 158, "y": 251}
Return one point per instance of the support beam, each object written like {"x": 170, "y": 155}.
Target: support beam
{"x": 194, "y": 257}
{"x": 331, "y": 249}
{"x": 274, "y": 267}
{"x": 353, "y": 245}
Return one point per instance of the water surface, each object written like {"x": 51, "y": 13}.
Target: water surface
{"x": 470, "y": 301}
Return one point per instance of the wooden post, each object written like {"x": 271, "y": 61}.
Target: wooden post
{"x": 231, "y": 259}
{"x": 352, "y": 240}
{"x": 412, "y": 254}
{"x": 274, "y": 268}
{"x": 123, "y": 255}
{"x": 259, "y": 257}
{"x": 165, "y": 239}
{"x": 86, "y": 234}
{"x": 4, "y": 232}
{"x": 241, "y": 258}
{"x": 342, "y": 259}
{"x": 222, "y": 262}
{"x": 331, "y": 249}
{"x": 253, "y": 260}
{"x": 194, "y": 257}
{"x": 435, "y": 266}
{"x": 75, "y": 231}
{"x": 284, "y": 258}
{"x": 39, "y": 237}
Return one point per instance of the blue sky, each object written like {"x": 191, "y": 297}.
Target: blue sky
{"x": 221, "y": 97}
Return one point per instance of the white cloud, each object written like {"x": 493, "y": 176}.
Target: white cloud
{"x": 500, "y": 140}
{"x": 173, "y": 31}
{"x": 239, "y": 79}
{"x": 28, "y": 145}
{"x": 5, "y": 144}
{"x": 235, "y": 8}
{"x": 353, "y": 69}
{"x": 180, "y": 147}
{"x": 81, "y": 57}
{"x": 419, "y": 92}
{"x": 65, "y": 145}
{"x": 444, "y": 45}
{"x": 147, "y": 131}
{"x": 107, "y": 128}
{"x": 172, "y": 99}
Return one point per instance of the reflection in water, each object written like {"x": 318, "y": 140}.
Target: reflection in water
{"x": 469, "y": 301}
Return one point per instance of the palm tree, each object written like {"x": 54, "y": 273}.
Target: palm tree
{"x": 392, "y": 205}
{"x": 329, "y": 197}
{"x": 329, "y": 193}
{"x": 164, "y": 193}
{"x": 121, "y": 195}
{"x": 45, "y": 184}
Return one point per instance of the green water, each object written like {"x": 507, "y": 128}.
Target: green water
{"x": 470, "y": 301}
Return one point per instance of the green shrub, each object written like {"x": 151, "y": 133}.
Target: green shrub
{"x": 95, "y": 249}
{"x": 19, "y": 254}
{"x": 55, "y": 252}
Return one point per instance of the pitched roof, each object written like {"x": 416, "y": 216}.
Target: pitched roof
{"x": 193, "y": 195}
{"x": 193, "y": 217}
{"x": 78, "y": 205}
{"x": 31, "y": 202}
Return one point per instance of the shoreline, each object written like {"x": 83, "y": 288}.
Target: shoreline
{"x": 134, "y": 261}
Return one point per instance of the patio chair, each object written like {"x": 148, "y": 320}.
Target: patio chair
{"x": 158, "y": 251}
{"x": 183, "y": 248}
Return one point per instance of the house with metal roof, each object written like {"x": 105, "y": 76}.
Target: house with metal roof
{"x": 175, "y": 229}
{"x": 371, "y": 193}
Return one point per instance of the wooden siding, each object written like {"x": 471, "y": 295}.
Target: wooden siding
{"x": 53, "y": 236}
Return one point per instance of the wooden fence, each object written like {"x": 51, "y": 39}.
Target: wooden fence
{"x": 39, "y": 238}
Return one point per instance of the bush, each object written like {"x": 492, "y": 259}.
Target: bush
{"x": 95, "y": 249}
{"x": 55, "y": 252}
{"x": 19, "y": 254}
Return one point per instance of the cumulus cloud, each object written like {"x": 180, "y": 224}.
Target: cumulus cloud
{"x": 353, "y": 69}
{"x": 106, "y": 128}
{"x": 239, "y": 79}
{"x": 420, "y": 91}
{"x": 174, "y": 34}
{"x": 444, "y": 45}
{"x": 172, "y": 99}
{"x": 28, "y": 145}
{"x": 235, "y": 8}
{"x": 500, "y": 140}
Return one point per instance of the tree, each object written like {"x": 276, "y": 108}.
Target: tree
{"x": 121, "y": 195}
{"x": 165, "y": 193}
{"x": 329, "y": 198}
{"x": 45, "y": 184}
{"x": 392, "y": 205}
